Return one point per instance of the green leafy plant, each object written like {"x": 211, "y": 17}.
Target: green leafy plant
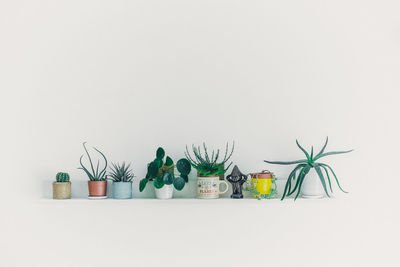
{"x": 94, "y": 174}
{"x": 162, "y": 173}
{"x": 121, "y": 173}
{"x": 303, "y": 167}
{"x": 206, "y": 165}
{"x": 62, "y": 177}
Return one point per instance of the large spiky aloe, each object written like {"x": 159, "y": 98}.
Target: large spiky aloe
{"x": 206, "y": 165}
{"x": 300, "y": 172}
{"x": 95, "y": 174}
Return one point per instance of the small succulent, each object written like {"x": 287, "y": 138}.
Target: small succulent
{"x": 162, "y": 173}
{"x": 304, "y": 166}
{"x": 62, "y": 177}
{"x": 95, "y": 174}
{"x": 121, "y": 173}
{"x": 206, "y": 165}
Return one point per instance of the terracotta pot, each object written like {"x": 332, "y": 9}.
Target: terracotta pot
{"x": 62, "y": 190}
{"x": 97, "y": 188}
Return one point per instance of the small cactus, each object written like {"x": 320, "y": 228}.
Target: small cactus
{"x": 62, "y": 177}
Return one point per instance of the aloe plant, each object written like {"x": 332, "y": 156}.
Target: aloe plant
{"x": 94, "y": 174}
{"x": 303, "y": 167}
{"x": 121, "y": 172}
{"x": 62, "y": 177}
{"x": 206, "y": 165}
{"x": 162, "y": 173}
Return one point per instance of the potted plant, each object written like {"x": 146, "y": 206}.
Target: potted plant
{"x": 209, "y": 170}
{"x": 62, "y": 186}
{"x": 315, "y": 184}
{"x": 122, "y": 176}
{"x": 162, "y": 175}
{"x": 97, "y": 176}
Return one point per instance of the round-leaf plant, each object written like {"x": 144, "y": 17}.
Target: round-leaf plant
{"x": 304, "y": 166}
{"x": 162, "y": 173}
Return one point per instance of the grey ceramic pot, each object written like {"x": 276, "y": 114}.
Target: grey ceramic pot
{"x": 122, "y": 190}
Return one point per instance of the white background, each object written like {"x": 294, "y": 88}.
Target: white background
{"x": 129, "y": 76}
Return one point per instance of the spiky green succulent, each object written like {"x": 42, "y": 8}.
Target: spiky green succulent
{"x": 162, "y": 173}
{"x": 206, "y": 165}
{"x": 94, "y": 174}
{"x": 303, "y": 167}
{"x": 121, "y": 172}
{"x": 62, "y": 177}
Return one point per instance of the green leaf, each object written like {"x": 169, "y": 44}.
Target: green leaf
{"x": 143, "y": 184}
{"x": 288, "y": 182}
{"x": 158, "y": 162}
{"x": 185, "y": 177}
{"x": 158, "y": 183}
{"x": 321, "y": 177}
{"x": 334, "y": 175}
{"x": 168, "y": 178}
{"x": 183, "y": 166}
{"x": 179, "y": 183}
{"x": 103, "y": 172}
{"x": 152, "y": 169}
{"x": 327, "y": 176}
{"x": 169, "y": 161}
{"x": 286, "y": 162}
{"x": 300, "y": 184}
{"x": 304, "y": 151}
{"x": 332, "y": 153}
{"x": 323, "y": 148}
{"x": 299, "y": 178}
{"x": 160, "y": 153}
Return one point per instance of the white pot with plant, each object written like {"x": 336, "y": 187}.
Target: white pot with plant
{"x": 312, "y": 184}
{"x": 162, "y": 175}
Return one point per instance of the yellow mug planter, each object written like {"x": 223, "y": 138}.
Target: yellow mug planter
{"x": 263, "y": 185}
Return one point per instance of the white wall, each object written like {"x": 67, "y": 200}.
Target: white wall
{"x": 129, "y": 76}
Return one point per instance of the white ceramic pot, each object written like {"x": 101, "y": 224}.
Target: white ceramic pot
{"x": 312, "y": 186}
{"x": 208, "y": 186}
{"x": 165, "y": 192}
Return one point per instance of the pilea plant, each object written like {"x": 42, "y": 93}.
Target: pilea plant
{"x": 62, "y": 177}
{"x": 121, "y": 173}
{"x": 303, "y": 167}
{"x": 206, "y": 165}
{"x": 162, "y": 173}
{"x": 95, "y": 174}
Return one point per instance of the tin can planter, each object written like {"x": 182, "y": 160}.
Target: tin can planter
{"x": 122, "y": 190}
{"x": 62, "y": 190}
{"x": 208, "y": 187}
{"x": 263, "y": 185}
{"x": 312, "y": 186}
{"x": 165, "y": 192}
{"x": 97, "y": 189}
